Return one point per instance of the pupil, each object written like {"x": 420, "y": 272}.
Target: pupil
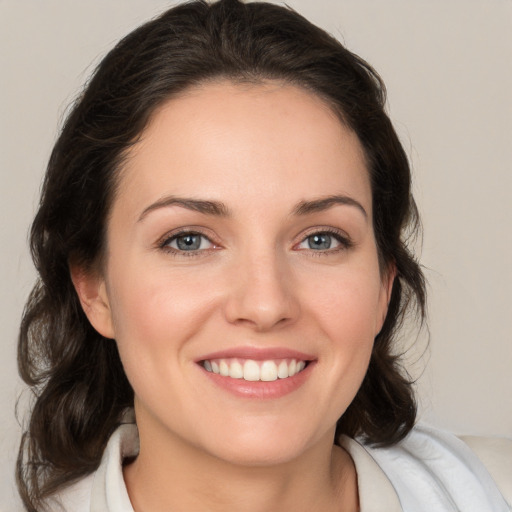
{"x": 319, "y": 242}
{"x": 189, "y": 242}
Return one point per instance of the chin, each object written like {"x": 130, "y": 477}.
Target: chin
{"x": 264, "y": 446}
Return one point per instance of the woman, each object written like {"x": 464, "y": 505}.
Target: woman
{"x": 221, "y": 247}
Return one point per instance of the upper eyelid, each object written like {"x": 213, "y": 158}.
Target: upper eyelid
{"x": 174, "y": 236}
{"x": 164, "y": 244}
{"x": 187, "y": 230}
{"x": 341, "y": 236}
{"x": 325, "y": 230}
{"x": 200, "y": 231}
{"x": 164, "y": 241}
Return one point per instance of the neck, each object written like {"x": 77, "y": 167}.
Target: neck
{"x": 174, "y": 475}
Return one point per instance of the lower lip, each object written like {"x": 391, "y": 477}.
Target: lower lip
{"x": 261, "y": 390}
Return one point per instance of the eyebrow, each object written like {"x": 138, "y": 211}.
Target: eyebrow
{"x": 219, "y": 209}
{"x": 216, "y": 208}
{"x": 324, "y": 203}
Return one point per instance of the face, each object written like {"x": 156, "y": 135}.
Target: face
{"x": 242, "y": 282}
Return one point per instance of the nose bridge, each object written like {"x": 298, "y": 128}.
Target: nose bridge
{"x": 262, "y": 289}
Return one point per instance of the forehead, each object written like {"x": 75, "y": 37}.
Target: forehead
{"x": 245, "y": 141}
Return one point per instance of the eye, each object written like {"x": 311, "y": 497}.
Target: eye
{"x": 324, "y": 241}
{"x": 187, "y": 242}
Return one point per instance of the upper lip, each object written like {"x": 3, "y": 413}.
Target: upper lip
{"x": 258, "y": 354}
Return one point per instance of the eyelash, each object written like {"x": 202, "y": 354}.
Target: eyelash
{"x": 163, "y": 244}
{"x": 340, "y": 237}
{"x": 344, "y": 241}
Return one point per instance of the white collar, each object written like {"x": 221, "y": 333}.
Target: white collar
{"x": 429, "y": 470}
{"x": 109, "y": 492}
{"x": 376, "y": 493}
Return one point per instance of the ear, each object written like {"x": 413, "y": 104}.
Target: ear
{"x": 92, "y": 293}
{"x": 388, "y": 279}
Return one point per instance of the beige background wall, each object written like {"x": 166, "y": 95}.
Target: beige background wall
{"x": 447, "y": 65}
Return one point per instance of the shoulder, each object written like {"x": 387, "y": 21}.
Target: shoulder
{"x": 434, "y": 470}
{"x": 496, "y": 455}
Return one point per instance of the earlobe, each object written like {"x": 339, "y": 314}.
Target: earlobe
{"x": 92, "y": 293}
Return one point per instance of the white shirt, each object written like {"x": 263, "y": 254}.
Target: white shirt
{"x": 429, "y": 471}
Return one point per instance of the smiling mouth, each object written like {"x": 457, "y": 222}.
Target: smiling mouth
{"x": 253, "y": 371}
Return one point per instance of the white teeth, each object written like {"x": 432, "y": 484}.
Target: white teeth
{"x": 224, "y": 368}
{"x": 236, "y": 370}
{"x": 268, "y": 371}
{"x": 282, "y": 371}
{"x": 250, "y": 370}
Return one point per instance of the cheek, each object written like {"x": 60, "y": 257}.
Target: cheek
{"x": 344, "y": 312}
{"x": 155, "y": 313}
{"x": 347, "y": 310}
{"x": 348, "y": 305}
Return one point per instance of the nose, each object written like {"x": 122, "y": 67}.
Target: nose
{"x": 262, "y": 293}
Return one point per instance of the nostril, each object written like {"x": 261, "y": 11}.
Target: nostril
{"x": 260, "y": 299}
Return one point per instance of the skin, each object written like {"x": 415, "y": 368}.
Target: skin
{"x": 255, "y": 282}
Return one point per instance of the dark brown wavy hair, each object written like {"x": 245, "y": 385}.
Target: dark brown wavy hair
{"x": 80, "y": 388}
